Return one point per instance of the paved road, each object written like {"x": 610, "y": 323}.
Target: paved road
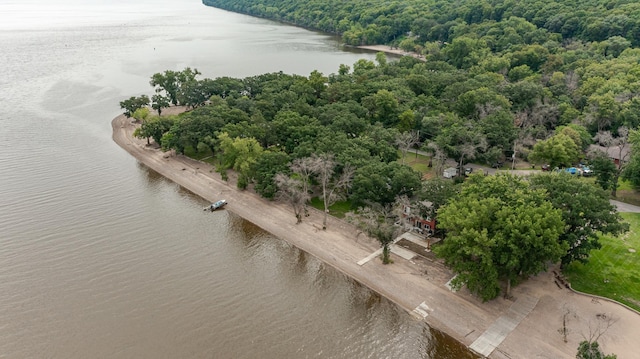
{"x": 479, "y": 168}
{"x": 503, "y": 326}
{"x": 625, "y": 207}
{"x": 622, "y": 207}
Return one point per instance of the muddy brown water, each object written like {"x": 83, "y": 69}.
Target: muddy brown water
{"x": 101, "y": 257}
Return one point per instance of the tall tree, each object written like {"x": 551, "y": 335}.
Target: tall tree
{"x": 462, "y": 140}
{"x": 174, "y": 83}
{"x": 332, "y": 190}
{"x": 266, "y": 167}
{"x": 134, "y": 103}
{"x": 381, "y": 183}
{"x": 498, "y": 228}
{"x": 621, "y": 146}
{"x": 605, "y": 170}
{"x": 631, "y": 170}
{"x": 158, "y": 102}
{"x": 382, "y": 107}
{"x": 438, "y": 192}
{"x": 378, "y": 221}
{"x": 155, "y": 127}
{"x": 241, "y": 154}
{"x": 167, "y": 82}
{"x": 290, "y": 190}
{"x": 305, "y": 168}
{"x": 559, "y": 150}
{"x": 405, "y": 141}
{"x": 586, "y": 212}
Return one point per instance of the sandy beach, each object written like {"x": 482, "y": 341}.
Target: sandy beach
{"x": 391, "y": 50}
{"x": 529, "y": 325}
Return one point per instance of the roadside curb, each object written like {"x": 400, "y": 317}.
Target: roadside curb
{"x": 595, "y": 296}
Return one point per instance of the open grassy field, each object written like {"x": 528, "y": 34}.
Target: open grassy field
{"x": 418, "y": 162}
{"x": 338, "y": 209}
{"x": 614, "y": 270}
{"x": 204, "y": 156}
{"x": 626, "y": 193}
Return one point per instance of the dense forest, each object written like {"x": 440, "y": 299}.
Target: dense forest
{"x": 500, "y": 23}
{"x": 539, "y": 81}
{"x": 525, "y": 67}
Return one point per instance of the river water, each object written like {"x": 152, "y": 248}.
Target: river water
{"x": 101, "y": 257}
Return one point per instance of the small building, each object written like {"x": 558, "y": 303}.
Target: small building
{"x": 450, "y": 172}
{"x": 618, "y": 154}
{"x": 416, "y": 222}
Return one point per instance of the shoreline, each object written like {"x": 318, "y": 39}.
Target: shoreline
{"x": 389, "y": 50}
{"x": 418, "y": 285}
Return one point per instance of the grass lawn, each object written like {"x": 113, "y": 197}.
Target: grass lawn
{"x": 338, "y": 209}
{"x": 613, "y": 271}
{"x": 204, "y": 156}
{"x": 624, "y": 185}
{"x": 418, "y": 162}
{"x": 626, "y": 193}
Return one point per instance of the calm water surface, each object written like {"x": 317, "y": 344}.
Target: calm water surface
{"x": 101, "y": 257}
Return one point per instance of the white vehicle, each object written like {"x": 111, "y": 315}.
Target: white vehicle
{"x": 450, "y": 172}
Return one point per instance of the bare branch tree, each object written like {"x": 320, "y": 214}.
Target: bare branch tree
{"x": 470, "y": 149}
{"x": 291, "y": 191}
{"x": 572, "y": 81}
{"x": 324, "y": 165}
{"x": 399, "y": 209}
{"x": 405, "y": 141}
{"x": 487, "y": 109}
{"x": 305, "y": 168}
{"x": 331, "y": 192}
{"x": 598, "y": 328}
{"x": 377, "y": 222}
{"x": 438, "y": 157}
{"x": 532, "y": 124}
{"x": 589, "y": 348}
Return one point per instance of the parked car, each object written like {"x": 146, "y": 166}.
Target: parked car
{"x": 467, "y": 171}
{"x": 546, "y": 168}
{"x": 572, "y": 170}
{"x": 586, "y": 171}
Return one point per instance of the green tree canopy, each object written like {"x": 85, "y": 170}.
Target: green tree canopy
{"x": 605, "y": 170}
{"x": 559, "y": 150}
{"x": 241, "y": 154}
{"x": 586, "y": 212}
{"x": 631, "y": 171}
{"x": 381, "y": 183}
{"x": 591, "y": 350}
{"x": 134, "y": 103}
{"x": 155, "y": 127}
{"x": 498, "y": 228}
{"x": 265, "y": 169}
{"x": 174, "y": 83}
{"x": 438, "y": 192}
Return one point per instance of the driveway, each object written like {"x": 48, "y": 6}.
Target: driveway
{"x": 625, "y": 207}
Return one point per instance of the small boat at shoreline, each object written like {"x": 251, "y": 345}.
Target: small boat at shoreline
{"x": 217, "y": 205}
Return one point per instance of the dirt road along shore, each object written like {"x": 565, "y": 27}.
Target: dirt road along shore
{"x": 530, "y": 325}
